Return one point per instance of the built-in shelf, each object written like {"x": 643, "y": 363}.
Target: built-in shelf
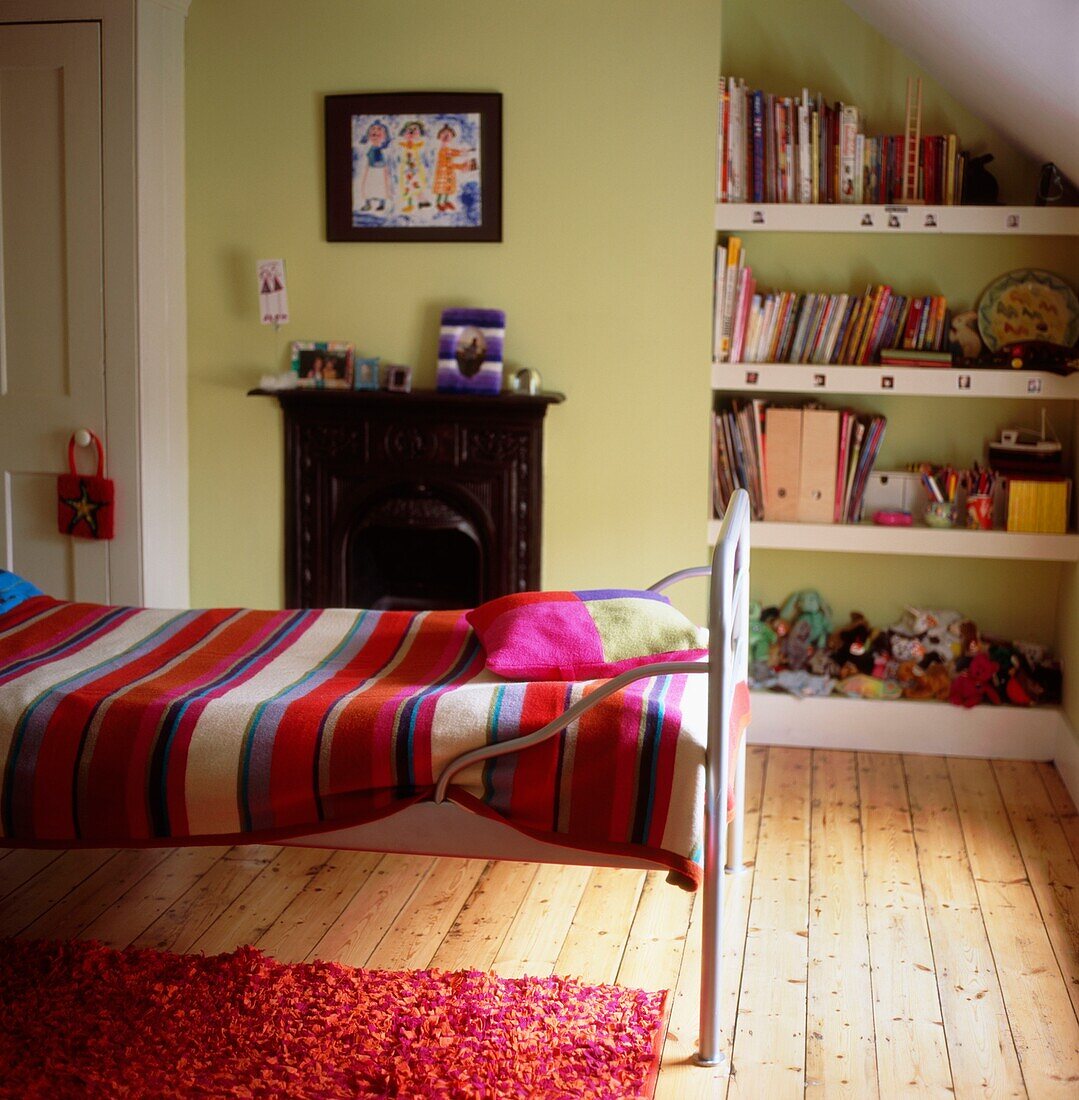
{"x": 893, "y": 381}
{"x": 1018, "y": 221}
{"x": 868, "y": 538}
{"x": 906, "y": 725}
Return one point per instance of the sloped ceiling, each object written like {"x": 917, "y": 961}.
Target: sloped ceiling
{"x": 1013, "y": 63}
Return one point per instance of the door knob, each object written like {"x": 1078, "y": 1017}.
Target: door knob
{"x": 83, "y": 438}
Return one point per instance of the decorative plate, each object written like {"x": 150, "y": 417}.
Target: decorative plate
{"x": 1028, "y": 305}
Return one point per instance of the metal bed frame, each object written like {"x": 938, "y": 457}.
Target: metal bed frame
{"x": 440, "y": 827}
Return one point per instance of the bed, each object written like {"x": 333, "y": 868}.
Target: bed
{"x": 378, "y": 731}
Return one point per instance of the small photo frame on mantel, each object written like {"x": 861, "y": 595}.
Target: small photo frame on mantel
{"x": 414, "y": 166}
{"x": 322, "y": 364}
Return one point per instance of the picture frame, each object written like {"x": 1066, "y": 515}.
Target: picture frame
{"x": 366, "y": 373}
{"x": 398, "y": 378}
{"x": 414, "y": 166}
{"x": 322, "y": 364}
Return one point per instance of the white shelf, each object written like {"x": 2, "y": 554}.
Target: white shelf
{"x": 892, "y": 381}
{"x": 868, "y": 538}
{"x": 906, "y": 725}
{"x": 1016, "y": 221}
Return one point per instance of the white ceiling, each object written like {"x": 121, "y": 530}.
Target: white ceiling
{"x": 1013, "y": 63}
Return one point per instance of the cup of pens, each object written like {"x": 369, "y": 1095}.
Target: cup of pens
{"x": 980, "y": 512}
{"x": 941, "y": 513}
{"x": 941, "y": 487}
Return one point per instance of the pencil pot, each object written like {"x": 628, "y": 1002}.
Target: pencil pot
{"x": 980, "y": 512}
{"x": 940, "y": 513}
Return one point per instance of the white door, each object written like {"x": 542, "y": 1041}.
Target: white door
{"x": 52, "y": 353}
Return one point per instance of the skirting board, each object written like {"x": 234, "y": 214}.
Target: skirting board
{"x": 905, "y": 725}
{"x": 1066, "y": 759}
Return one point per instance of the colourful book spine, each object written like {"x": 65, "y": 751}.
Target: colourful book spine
{"x": 746, "y": 293}
{"x": 923, "y": 324}
{"x": 809, "y": 303}
{"x": 724, "y": 127}
{"x": 735, "y": 263}
{"x": 843, "y": 354}
{"x": 814, "y": 155}
{"x": 758, "y": 146}
{"x": 873, "y": 344}
{"x": 849, "y": 124}
{"x": 717, "y": 312}
{"x": 848, "y": 309}
{"x": 914, "y": 318}
{"x": 858, "y": 349}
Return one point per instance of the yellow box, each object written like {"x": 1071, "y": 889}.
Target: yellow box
{"x": 1040, "y": 507}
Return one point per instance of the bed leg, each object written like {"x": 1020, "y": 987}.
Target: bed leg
{"x": 736, "y": 830}
{"x": 709, "y": 1051}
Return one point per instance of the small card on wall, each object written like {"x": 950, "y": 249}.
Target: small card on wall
{"x": 470, "y": 350}
{"x": 273, "y": 297}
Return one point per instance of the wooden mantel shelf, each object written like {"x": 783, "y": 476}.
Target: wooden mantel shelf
{"x": 432, "y": 397}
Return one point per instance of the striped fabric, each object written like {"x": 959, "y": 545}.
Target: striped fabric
{"x": 122, "y": 726}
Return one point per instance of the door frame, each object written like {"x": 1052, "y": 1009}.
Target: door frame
{"x": 144, "y": 273}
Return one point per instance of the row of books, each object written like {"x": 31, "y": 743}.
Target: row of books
{"x": 774, "y": 148}
{"x": 789, "y": 327}
{"x": 803, "y": 464}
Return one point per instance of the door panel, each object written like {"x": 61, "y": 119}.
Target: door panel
{"x": 52, "y": 369}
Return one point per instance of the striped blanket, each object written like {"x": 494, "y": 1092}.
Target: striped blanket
{"x": 122, "y": 726}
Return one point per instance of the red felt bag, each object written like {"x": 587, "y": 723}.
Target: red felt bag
{"x": 85, "y": 507}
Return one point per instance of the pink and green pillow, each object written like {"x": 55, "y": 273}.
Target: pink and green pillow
{"x": 582, "y": 635}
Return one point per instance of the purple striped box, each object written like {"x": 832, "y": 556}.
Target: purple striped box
{"x": 470, "y": 350}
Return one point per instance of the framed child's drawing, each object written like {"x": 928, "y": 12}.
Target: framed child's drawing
{"x": 414, "y": 166}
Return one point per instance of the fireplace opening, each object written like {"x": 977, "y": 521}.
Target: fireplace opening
{"x": 414, "y": 553}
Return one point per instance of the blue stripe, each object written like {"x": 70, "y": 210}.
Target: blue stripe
{"x": 662, "y": 686}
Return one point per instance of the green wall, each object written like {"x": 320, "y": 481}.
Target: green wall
{"x": 604, "y": 270}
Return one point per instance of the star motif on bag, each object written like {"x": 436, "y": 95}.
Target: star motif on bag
{"x": 83, "y": 509}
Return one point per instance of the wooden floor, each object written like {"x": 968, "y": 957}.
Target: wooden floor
{"x": 908, "y": 924}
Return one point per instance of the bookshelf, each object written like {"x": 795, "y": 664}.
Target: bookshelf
{"x": 784, "y": 217}
{"x": 755, "y": 378}
{"x": 867, "y": 538}
{"x": 835, "y": 721}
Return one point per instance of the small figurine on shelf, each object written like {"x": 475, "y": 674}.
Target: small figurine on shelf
{"x": 980, "y": 187}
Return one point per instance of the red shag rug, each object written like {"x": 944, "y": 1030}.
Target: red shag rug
{"x": 79, "y": 1019}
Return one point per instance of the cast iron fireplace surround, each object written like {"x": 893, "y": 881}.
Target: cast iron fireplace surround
{"x": 407, "y": 501}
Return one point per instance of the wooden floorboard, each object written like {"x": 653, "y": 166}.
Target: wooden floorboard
{"x": 1035, "y": 994}
{"x": 770, "y": 1035}
{"x": 841, "y": 1056}
{"x": 907, "y": 925}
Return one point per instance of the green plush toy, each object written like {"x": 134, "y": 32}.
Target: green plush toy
{"x": 808, "y": 606}
{"x": 761, "y": 636}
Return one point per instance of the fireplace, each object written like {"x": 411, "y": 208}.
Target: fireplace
{"x": 410, "y": 501}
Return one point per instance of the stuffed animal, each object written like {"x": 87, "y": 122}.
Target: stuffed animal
{"x": 808, "y": 606}
{"x": 851, "y": 646}
{"x": 974, "y": 684}
{"x": 964, "y": 339}
{"x": 761, "y": 635}
{"x": 795, "y": 649}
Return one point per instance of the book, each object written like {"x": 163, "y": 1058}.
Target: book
{"x": 915, "y": 357}
{"x": 730, "y": 291}
{"x": 805, "y": 175}
{"x": 736, "y": 154}
{"x": 723, "y": 114}
{"x": 1038, "y": 505}
{"x": 849, "y": 126}
{"x": 758, "y": 147}
{"x": 717, "y": 304}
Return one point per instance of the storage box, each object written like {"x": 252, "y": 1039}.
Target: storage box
{"x": 1039, "y": 505}
{"x": 894, "y": 491}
